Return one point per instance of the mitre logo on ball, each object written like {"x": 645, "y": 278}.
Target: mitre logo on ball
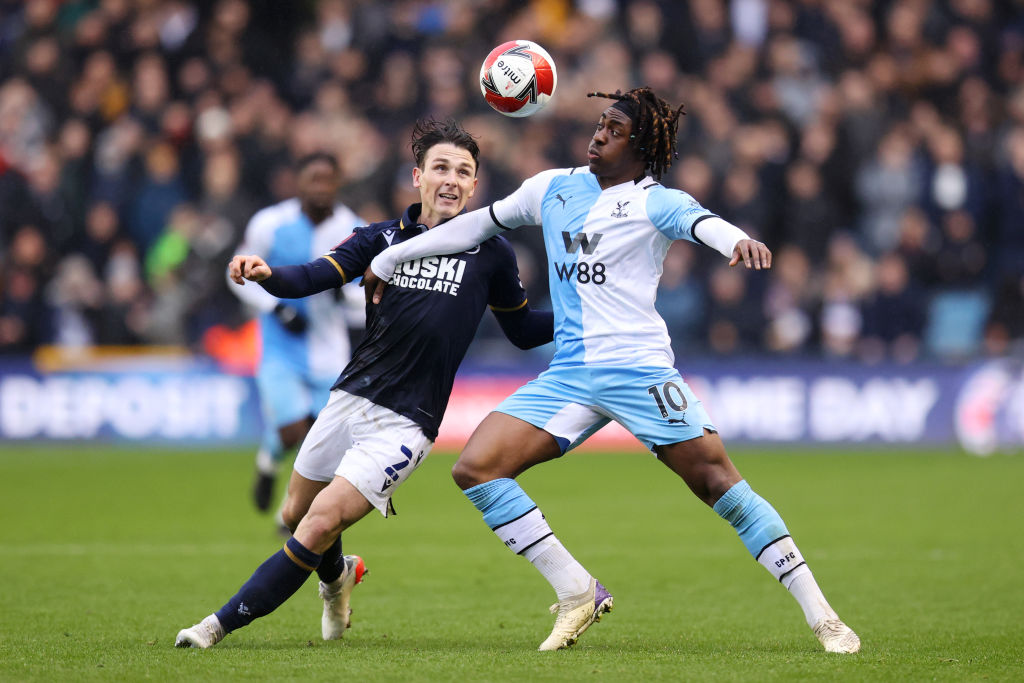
{"x": 518, "y": 78}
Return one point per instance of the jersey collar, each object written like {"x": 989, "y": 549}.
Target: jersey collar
{"x": 412, "y": 213}
{"x": 628, "y": 185}
{"x": 411, "y": 217}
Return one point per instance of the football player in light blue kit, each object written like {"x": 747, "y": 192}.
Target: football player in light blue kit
{"x": 304, "y": 342}
{"x": 607, "y": 227}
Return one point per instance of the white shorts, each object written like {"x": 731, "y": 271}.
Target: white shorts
{"x": 375, "y": 449}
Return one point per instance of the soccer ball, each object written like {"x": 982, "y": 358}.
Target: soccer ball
{"x": 518, "y": 78}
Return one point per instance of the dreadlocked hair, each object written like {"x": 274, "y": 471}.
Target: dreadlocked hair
{"x": 656, "y": 126}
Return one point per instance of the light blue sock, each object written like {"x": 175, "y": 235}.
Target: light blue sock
{"x": 764, "y": 533}
{"x": 753, "y": 518}
{"x": 500, "y": 501}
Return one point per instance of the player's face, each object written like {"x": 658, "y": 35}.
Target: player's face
{"x": 611, "y": 156}
{"x": 446, "y": 182}
{"x": 317, "y": 185}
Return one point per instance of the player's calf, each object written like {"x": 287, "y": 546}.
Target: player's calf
{"x": 766, "y": 537}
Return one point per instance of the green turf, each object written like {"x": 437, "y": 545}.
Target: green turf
{"x": 107, "y": 552}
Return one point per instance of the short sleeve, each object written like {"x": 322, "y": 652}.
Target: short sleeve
{"x": 523, "y": 207}
{"x": 675, "y": 213}
{"x": 506, "y": 292}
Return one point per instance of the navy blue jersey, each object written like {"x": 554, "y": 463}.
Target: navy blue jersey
{"x": 418, "y": 334}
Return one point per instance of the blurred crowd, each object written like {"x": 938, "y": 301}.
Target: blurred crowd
{"x": 876, "y": 146}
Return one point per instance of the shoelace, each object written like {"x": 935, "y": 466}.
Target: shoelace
{"x": 832, "y": 627}
{"x": 562, "y": 610}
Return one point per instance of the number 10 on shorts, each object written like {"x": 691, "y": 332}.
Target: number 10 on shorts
{"x": 668, "y": 395}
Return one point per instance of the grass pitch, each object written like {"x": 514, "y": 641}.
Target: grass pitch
{"x": 107, "y": 552}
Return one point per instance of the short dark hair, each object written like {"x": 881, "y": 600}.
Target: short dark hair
{"x": 655, "y": 124}
{"x": 429, "y": 132}
{"x": 313, "y": 157}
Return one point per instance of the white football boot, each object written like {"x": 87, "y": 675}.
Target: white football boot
{"x": 576, "y": 614}
{"x": 336, "y": 596}
{"x": 206, "y": 633}
{"x": 836, "y": 636}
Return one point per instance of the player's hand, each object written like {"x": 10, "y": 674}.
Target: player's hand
{"x": 754, "y": 254}
{"x": 290, "y": 318}
{"x": 250, "y": 267}
{"x": 373, "y": 286}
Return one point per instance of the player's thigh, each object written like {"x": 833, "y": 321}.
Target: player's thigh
{"x": 538, "y": 422}
{"x": 654, "y": 404}
{"x": 502, "y": 446}
{"x": 284, "y": 396}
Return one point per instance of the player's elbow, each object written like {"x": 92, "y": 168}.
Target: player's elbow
{"x": 529, "y": 329}
{"x": 522, "y": 342}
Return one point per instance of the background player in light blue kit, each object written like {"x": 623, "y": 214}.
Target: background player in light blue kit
{"x": 303, "y": 343}
{"x": 607, "y": 227}
{"x": 387, "y": 405}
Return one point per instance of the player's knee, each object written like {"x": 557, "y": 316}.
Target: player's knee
{"x": 467, "y": 475}
{"x": 292, "y": 513}
{"x": 717, "y": 481}
{"x": 318, "y": 530}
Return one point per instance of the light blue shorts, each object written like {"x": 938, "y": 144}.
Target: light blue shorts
{"x": 571, "y": 403}
{"x": 288, "y": 395}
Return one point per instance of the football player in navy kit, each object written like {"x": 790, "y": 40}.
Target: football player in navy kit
{"x": 385, "y": 408}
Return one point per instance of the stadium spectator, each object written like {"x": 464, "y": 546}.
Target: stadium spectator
{"x": 893, "y": 315}
{"x": 790, "y": 302}
{"x": 735, "y": 319}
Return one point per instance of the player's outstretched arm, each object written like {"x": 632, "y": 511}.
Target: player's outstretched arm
{"x": 248, "y": 267}
{"x": 286, "y": 282}
{"x": 458, "y": 234}
{"x": 733, "y": 243}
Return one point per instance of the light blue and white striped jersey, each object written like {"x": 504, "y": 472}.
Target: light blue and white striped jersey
{"x": 283, "y": 235}
{"x": 605, "y": 250}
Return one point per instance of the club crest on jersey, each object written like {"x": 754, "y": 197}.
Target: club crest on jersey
{"x": 620, "y": 210}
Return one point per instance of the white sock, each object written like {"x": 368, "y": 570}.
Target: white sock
{"x": 812, "y": 601}
{"x": 563, "y": 572}
{"x": 783, "y": 559}
{"x": 265, "y": 461}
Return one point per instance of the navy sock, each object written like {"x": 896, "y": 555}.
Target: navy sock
{"x": 331, "y": 564}
{"x": 271, "y": 584}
